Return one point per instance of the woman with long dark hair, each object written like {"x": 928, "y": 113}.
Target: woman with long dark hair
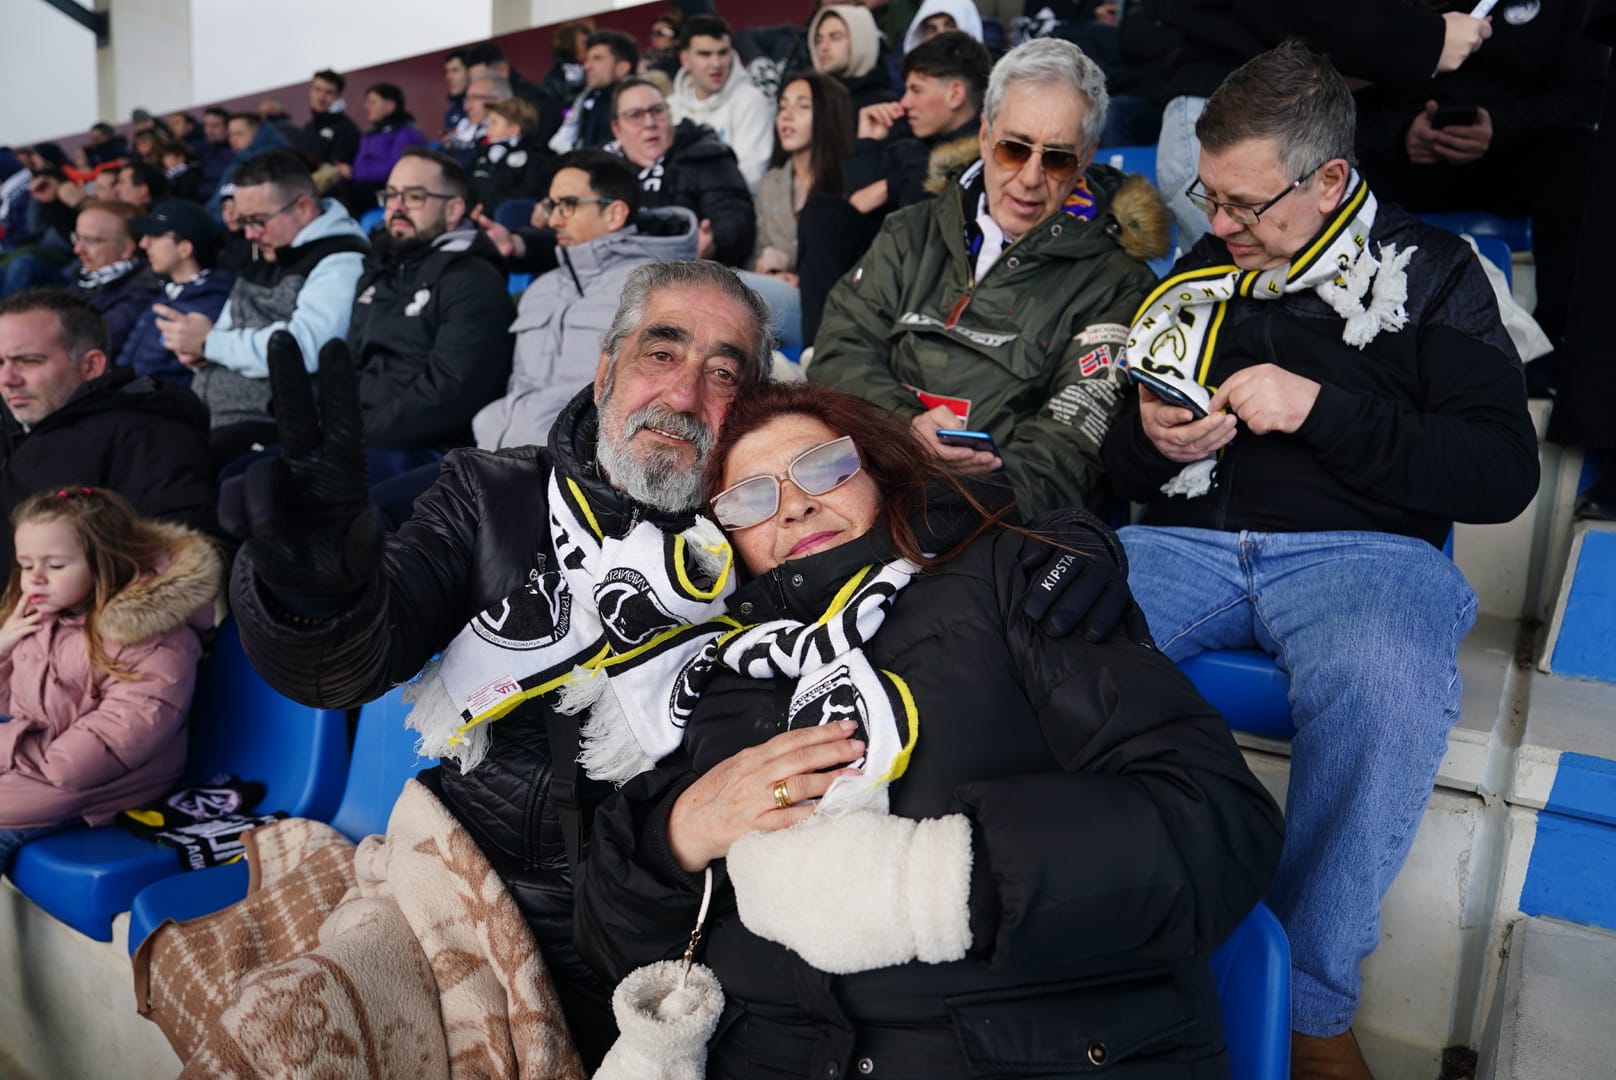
{"x": 942, "y": 843}
{"x": 812, "y": 138}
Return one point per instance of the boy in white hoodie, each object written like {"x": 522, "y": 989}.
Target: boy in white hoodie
{"x": 712, "y": 88}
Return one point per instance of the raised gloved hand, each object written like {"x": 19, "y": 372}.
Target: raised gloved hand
{"x": 305, "y": 516}
{"x": 1081, "y": 585}
{"x": 858, "y": 890}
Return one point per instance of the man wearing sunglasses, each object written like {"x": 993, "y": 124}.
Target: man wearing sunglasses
{"x": 1354, "y": 393}
{"x": 1003, "y": 304}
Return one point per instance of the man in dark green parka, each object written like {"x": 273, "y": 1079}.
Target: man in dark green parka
{"x": 1003, "y": 304}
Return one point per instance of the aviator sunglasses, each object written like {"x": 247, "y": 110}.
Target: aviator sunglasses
{"x": 1059, "y": 165}
{"x": 817, "y": 471}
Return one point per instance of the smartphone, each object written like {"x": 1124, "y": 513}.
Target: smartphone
{"x": 975, "y": 440}
{"x": 1169, "y": 393}
{"x": 1453, "y": 115}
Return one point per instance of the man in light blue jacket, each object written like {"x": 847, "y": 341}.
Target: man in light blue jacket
{"x": 308, "y": 254}
{"x": 601, "y": 235}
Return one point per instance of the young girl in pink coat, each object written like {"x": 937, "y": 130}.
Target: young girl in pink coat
{"x": 98, "y": 656}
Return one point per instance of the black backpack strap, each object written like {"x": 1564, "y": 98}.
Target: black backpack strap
{"x": 562, "y": 732}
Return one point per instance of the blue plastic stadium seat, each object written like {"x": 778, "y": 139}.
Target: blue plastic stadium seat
{"x": 1253, "y": 974}
{"x": 1247, "y": 687}
{"x": 372, "y": 219}
{"x": 1516, "y": 232}
{"x": 1497, "y": 252}
{"x": 1130, "y": 159}
{"x": 517, "y": 284}
{"x": 239, "y": 725}
{"x": 383, "y": 758}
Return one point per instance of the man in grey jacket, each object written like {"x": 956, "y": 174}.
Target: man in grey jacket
{"x": 601, "y": 235}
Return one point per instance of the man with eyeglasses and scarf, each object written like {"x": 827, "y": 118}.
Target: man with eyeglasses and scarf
{"x": 1324, "y": 388}
{"x": 1003, "y": 304}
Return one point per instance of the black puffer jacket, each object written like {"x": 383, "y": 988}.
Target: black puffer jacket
{"x": 699, "y": 173}
{"x": 430, "y": 336}
{"x": 472, "y": 541}
{"x": 1119, "y": 838}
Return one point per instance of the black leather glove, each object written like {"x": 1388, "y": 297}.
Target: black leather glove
{"x": 1082, "y": 584}
{"x": 305, "y": 516}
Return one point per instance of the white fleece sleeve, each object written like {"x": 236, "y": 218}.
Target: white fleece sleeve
{"x": 324, "y": 308}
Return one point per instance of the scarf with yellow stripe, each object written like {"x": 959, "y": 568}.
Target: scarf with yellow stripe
{"x": 609, "y": 627}
{"x": 1175, "y": 334}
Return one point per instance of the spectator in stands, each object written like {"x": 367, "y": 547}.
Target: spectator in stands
{"x": 392, "y": 131}
{"x": 939, "y": 17}
{"x": 454, "y": 80}
{"x": 331, "y": 134}
{"x": 216, "y": 153}
{"x": 145, "y": 145}
{"x": 105, "y": 144}
{"x": 965, "y": 935}
{"x": 323, "y": 574}
{"x": 712, "y": 88}
{"x": 942, "y": 324}
{"x": 468, "y": 139}
{"x": 141, "y": 184}
{"x": 1457, "y": 142}
{"x": 42, "y": 226}
{"x": 594, "y": 208}
{"x": 610, "y": 56}
{"x": 184, "y": 177}
{"x": 241, "y": 131}
{"x": 183, "y": 126}
{"x": 112, "y": 274}
{"x": 181, "y": 245}
{"x": 272, "y": 111}
{"x": 684, "y": 166}
{"x": 1351, "y": 427}
{"x": 235, "y": 251}
{"x": 310, "y": 255}
{"x": 512, "y": 165}
{"x": 565, "y": 80}
{"x": 847, "y": 44}
{"x": 71, "y": 417}
{"x": 429, "y": 332}
{"x": 812, "y": 140}
{"x": 488, "y": 58}
{"x": 460, "y": 140}
{"x": 98, "y": 657}
{"x": 663, "y": 52}
{"x": 1375, "y": 41}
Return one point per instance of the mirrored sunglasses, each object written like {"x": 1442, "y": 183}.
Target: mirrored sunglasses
{"x": 817, "y": 470}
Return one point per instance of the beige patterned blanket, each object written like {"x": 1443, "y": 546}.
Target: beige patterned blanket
{"x": 403, "y": 957}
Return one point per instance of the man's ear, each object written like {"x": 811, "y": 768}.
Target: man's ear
{"x": 454, "y": 211}
{"x": 601, "y": 369}
{"x": 1333, "y": 176}
{"x": 93, "y": 364}
{"x": 616, "y": 215}
{"x": 957, "y": 93}
{"x": 982, "y": 138}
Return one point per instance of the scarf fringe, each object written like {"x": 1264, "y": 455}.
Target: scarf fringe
{"x": 440, "y": 722}
{"x": 1389, "y": 277}
{"x": 608, "y": 749}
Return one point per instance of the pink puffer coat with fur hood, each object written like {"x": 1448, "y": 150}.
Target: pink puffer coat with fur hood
{"x": 82, "y": 744}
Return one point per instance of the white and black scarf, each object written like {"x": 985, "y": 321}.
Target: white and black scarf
{"x": 1175, "y": 333}
{"x": 95, "y": 279}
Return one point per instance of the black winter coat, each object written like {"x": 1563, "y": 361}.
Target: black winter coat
{"x": 330, "y": 136}
{"x": 122, "y": 302}
{"x": 699, "y": 173}
{"x": 145, "y": 352}
{"x": 430, "y": 336}
{"x": 1119, "y": 838}
{"x": 472, "y": 541}
{"x": 1423, "y": 427}
{"x": 519, "y": 170}
{"x": 146, "y": 440}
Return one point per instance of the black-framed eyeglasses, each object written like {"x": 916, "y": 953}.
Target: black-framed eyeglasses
{"x": 634, "y": 116}
{"x": 1239, "y": 213}
{"x": 1059, "y": 165}
{"x": 414, "y": 198}
{"x": 818, "y": 470}
{"x": 253, "y": 221}
{"x": 569, "y": 204}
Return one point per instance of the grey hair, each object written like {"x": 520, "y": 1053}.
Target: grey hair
{"x": 1289, "y": 94}
{"x": 1051, "y": 62}
{"x": 689, "y": 274}
{"x": 499, "y": 85}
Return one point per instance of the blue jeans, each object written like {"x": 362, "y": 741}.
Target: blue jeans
{"x": 785, "y": 306}
{"x": 1367, "y": 626}
{"x": 1178, "y": 160}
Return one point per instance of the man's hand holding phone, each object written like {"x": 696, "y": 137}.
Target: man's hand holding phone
{"x": 963, "y": 458}
{"x": 1178, "y": 433}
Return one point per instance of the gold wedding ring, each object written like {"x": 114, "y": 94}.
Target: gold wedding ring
{"x": 781, "y": 799}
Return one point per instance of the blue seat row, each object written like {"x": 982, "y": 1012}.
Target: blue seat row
{"x": 383, "y": 759}
{"x": 239, "y": 726}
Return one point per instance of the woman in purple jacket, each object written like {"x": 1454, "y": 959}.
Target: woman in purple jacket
{"x": 392, "y": 131}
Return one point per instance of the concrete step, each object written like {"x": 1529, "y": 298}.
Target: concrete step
{"x": 1552, "y": 1019}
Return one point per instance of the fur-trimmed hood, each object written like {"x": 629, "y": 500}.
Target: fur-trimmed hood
{"x": 1143, "y": 224}
{"x": 190, "y": 581}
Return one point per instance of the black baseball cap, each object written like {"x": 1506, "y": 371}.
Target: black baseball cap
{"x": 184, "y": 219}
